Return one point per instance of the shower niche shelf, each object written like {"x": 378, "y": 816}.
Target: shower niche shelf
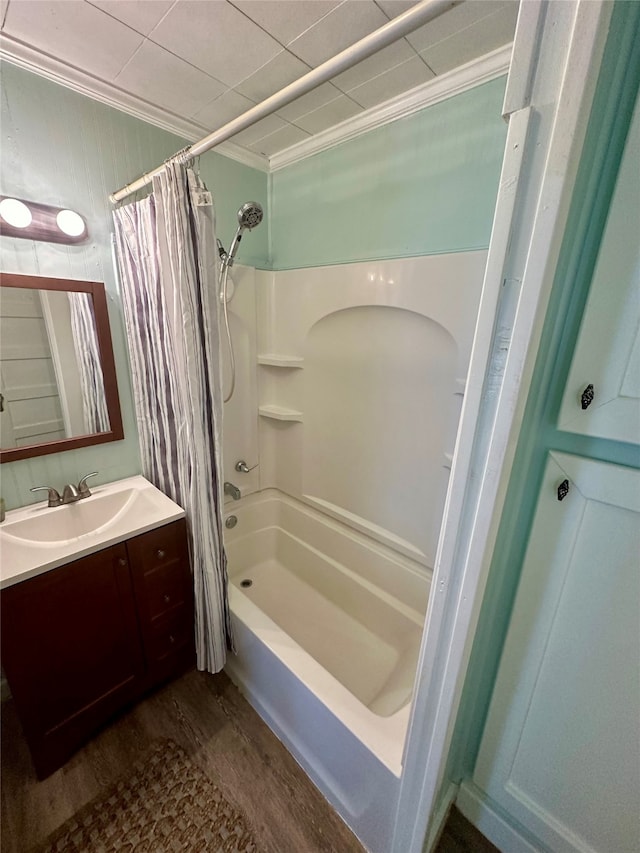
{"x": 280, "y": 413}
{"x": 287, "y": 361}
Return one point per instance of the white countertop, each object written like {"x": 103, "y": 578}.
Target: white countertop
{"x": 139, "y": 507}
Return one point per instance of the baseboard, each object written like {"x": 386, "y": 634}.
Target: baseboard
{"x": 479, "y": 810}
{"x": 440, "y": 818}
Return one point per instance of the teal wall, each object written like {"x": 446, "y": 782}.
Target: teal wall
{"x": 61, "y": 148}
{"x": 425, "y": 184}
{"x": 609, "y": 123}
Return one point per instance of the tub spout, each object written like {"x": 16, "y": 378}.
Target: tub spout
{"x": 232, "y": 491}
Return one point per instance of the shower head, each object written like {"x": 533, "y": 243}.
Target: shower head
{"x": 250, "y": 215}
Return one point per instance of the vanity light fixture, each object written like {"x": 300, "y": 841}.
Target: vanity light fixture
{"x": 15, "y": 213}
{"x": 33, "y": 221}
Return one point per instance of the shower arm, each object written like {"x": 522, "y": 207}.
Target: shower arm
{"x": 405, "y": 23}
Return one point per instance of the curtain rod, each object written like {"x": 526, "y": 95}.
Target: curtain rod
{"x": 408, "y": 21}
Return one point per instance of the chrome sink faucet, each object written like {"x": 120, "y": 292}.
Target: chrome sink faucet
{"x": 70, "y": 493}
{"x": 232, "y": 491}
{"x": 54, "y": 495}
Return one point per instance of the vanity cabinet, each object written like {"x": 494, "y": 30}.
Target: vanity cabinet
{"x": 82, "y": 641}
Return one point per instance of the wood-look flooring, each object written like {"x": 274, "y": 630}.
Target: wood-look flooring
{"x": 223, "y": 735}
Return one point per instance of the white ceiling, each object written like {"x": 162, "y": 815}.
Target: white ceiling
{"x": 207, "y": 61}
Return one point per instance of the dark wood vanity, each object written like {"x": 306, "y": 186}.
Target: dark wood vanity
{"x": 82, "y": 641}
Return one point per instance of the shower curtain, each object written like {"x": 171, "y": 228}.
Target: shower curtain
{"x": 168, "y": 266}
{"x": 85, "y": 342}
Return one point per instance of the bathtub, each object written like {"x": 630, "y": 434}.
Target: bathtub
{"x": 327, "y": 626}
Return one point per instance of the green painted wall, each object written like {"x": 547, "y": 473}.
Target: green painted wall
{"x": 423, "y": 185}
{"x": 609, "y": 122}
{"x": 61, "y": 148}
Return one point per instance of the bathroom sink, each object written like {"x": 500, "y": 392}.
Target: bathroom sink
{"x": 38, "y": 538}
{"x": 77, "y": 519}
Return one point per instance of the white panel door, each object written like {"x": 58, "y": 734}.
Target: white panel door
{"x": 31, "y": 411}
{"x": 607, "y": 354}
{"x": 561, "y": 747}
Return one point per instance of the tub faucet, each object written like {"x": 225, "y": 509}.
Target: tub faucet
{"x": 232, "y": 491}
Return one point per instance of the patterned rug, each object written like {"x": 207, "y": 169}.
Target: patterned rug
{"x": 165, "y": 805}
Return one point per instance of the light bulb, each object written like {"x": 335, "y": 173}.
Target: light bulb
{"x": 15, "y": 212}
{"x": 71, "y": 223}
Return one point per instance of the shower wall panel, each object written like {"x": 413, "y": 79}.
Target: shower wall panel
{"x": 239, "y": 414}
{"x": 362, "y": 371}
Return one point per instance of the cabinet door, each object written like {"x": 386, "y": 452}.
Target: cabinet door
{"x": 607, "y": 354}
{"x": 560, "y": 751}
{"x": 71, "y": 651}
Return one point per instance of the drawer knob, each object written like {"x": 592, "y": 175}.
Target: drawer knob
{"x": 122, "y": 561}
{"x": 166, "y": 598}
{"x": 160, "y": 554}
{"x": 172, "y": 639}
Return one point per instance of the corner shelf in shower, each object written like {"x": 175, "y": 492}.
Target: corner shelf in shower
{"x": 280, "y": 413}
{"x": 272, "y": 360}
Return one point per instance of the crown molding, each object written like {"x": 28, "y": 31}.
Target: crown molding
{"x": 473, "y": 73}
{"x": 18, "y": 53}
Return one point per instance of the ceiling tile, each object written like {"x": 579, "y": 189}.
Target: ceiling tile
{"x": 283, "y": 19}
{"x": 74, "y": 32}
{"x": 393, "y": 82}
{"x": 162, "y": 78}
{"x": 141, "y": 15}
{"x": 225, "y": 108}
{"x": 342, "y": 27}
{"x": 332, "y": 113}
{"x": 272, "y": 77}
{"x": 457, "y": 19}
{"x": 309, "y": 102}
{"x": 393, "y": 8}
{"x": 264, "y": 127}
{"x": 388, "y": 57}
{"x": 216, "y": 37}
{"x": 485, "y": 35}
{"x": 278, "y": 141}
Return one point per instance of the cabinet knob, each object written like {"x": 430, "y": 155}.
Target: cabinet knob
{"x": 166, "y": 598}
{"x": 160, "y": 554}
{"x": 587, "y": 397}
{"x": 563, "y": 490}
{"x": 122, "y": 561}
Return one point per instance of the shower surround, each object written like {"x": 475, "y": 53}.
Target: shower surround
{"x": 350, "y": 381}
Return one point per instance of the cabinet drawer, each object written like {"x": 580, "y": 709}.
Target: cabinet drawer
{"x": 169, "y": 634}
{"x": 160, "y": 571}
{"x": 165, "y": 588}
{"x": 159, "y": 547}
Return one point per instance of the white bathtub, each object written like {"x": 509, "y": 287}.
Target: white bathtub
{"x": 327, "y": 635}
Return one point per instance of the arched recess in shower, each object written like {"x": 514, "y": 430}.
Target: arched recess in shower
{"x": 249, "y": 217}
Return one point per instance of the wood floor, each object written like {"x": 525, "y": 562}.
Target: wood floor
{"x": 460, "y": 836}
{"x": 224, "y": 736}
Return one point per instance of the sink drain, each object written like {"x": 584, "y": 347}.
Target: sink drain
{"x": 245, "y": 583}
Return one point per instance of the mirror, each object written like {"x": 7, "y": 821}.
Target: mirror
{"x": 58, "y": 387}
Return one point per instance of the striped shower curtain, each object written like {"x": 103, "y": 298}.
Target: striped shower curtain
{"x": 167, "y": 262}
{"x": 85, "y": 342}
